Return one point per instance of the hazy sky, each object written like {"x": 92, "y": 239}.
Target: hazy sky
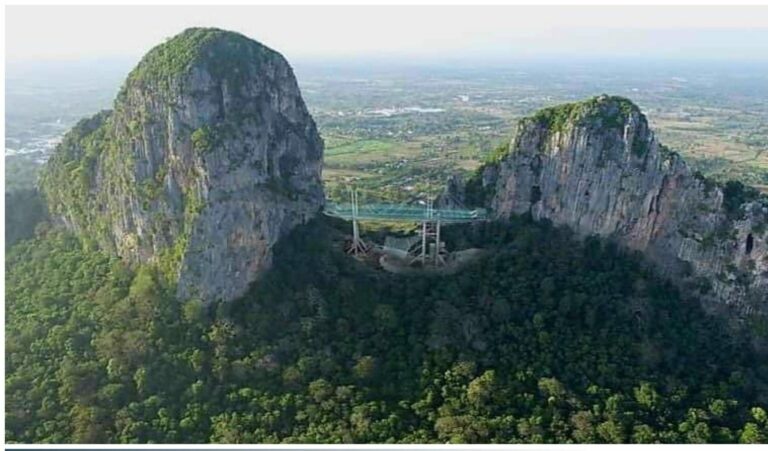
{"x": 496, "y": 32}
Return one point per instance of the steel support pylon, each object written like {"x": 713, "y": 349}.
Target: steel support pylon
{"x": 431, "y": 246}
{"x": 358, "y": 246}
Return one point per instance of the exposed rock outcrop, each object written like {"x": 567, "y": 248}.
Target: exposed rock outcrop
{"x": 207, "y": 159}
{"x": 597, "y": 167}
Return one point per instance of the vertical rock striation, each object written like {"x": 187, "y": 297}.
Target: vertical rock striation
{"x": 207, "y": 159}
{"x": 597, "y": 167}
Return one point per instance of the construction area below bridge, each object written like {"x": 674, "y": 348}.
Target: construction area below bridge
{"x": 423, "y": 251}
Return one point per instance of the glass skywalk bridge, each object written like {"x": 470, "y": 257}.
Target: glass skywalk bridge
{"x": 401, "y": 212}
{"x": 432, "y": 249}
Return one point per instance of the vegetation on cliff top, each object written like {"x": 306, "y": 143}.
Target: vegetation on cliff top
{"x": 225, "y": 54}
{"x": 612, "y": 111}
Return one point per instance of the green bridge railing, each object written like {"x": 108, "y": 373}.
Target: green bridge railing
{"x": 397, "y": 212}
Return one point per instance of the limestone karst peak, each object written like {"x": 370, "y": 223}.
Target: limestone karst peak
{"x": 209, "y": 156}
{"x": 596, "y": 166}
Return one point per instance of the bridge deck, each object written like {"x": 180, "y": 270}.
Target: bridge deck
{"x": 395, "y": 212}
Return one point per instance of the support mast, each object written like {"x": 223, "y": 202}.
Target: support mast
{"x": 358, "y": 245}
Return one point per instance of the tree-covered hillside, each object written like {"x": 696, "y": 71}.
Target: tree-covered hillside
{"x": 546, "y": 340}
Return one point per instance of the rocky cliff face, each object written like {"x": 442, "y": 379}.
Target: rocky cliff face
{"x": 597, "y": 167}
{"x": 207, "y": 159}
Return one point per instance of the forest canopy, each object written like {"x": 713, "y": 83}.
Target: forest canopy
{"x": 548, "y": 339}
